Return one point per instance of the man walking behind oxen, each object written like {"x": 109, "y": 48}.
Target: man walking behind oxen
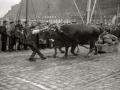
{"x": 31, "y": 42}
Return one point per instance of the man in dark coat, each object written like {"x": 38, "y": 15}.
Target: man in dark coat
{"x": 31, "y": 42}
{"x": 26, "y": 29}
{"x": 10, "y": 33}
{"x": 19, "y": 24}
{"x": 4, "y": 36}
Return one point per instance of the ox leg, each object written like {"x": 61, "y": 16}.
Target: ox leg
{"x": 91, "y": 48}
{"x": 72, "y": 50}
{"x": 90, "y": 51}
{"x": 96, "y": 50}
{"x": 59, "y": 47}
{"x": 66, "y": 51}
{"x": 55, "y": 48}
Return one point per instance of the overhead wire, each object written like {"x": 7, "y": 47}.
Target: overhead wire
{"x": 19, "y": 11}
{"x": 34, "y": 10}
{"x": 44, "y": 10}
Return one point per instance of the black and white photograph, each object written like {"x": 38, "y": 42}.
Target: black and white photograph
{"x": 59, "y": 45}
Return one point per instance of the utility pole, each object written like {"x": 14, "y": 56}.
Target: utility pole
{"x": 93, "y": 11}
{"x": 48, "y": 12}
{"x": 26, "y": 10}
{"x": 88, "y": 11}
{"x": 117, "y": 15}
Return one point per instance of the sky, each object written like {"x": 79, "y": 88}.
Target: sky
{"x": 5, "y": 6}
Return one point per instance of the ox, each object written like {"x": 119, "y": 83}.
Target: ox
{"x": 84, "y": 34}
{"x": 74, "y": 34}
{"x": 58, "y": 38}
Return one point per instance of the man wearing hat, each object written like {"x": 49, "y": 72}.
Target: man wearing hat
{"x": 10, "y": 33}
{"x": 19, "y": 24}
{"x": 31, "y": 42}
{"x": 4, "y": 36}
{"x": 26, "y": 29}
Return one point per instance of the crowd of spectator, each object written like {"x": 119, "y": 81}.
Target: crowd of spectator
{"x": 13, "y": 36}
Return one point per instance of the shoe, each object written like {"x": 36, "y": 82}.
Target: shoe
{"x": 43, "y": 58}
{"x": 31, "y": 59}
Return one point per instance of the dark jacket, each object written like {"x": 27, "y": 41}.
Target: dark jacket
{"x": 3, "y": 31}
{"x": 31, "y": 37}
{"x": 20, "y": 26}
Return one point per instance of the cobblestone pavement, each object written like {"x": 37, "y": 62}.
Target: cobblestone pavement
{"x": 98, "y": 72}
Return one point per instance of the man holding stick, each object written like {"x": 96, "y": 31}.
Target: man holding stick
{"x": 31, "y": 42}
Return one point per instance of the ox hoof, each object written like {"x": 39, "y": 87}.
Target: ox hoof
{"x": 87, "y": 56}
{"x": 54, "y": 56}
{"x": 75, "y": 54}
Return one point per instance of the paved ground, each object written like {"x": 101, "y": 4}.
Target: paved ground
{"x": 100, "y": 72}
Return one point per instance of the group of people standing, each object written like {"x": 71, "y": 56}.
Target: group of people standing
{"x": 18, "y": 37}
{"x": 13, "y": 37}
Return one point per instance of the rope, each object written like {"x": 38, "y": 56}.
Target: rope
{"x": 19, "y": 11}
{"x": 45, "y": 2}
{"x": 79, "y": 12}
{"x": 43, "y": 13}
{"x": 34, "y": 11}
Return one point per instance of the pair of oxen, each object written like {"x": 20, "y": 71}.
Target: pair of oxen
{"x": 71, "y": 36}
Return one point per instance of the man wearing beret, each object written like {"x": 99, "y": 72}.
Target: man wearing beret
{"x": 31, "y": 42}
{"x": 10, "y": 33}
{"x": 26, "y": 30}
{"x": 19, "y": 24}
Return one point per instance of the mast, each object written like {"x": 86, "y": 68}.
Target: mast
{"x": 26, "y": 10}
{"x": 117, "y": 15}
{"x": 79, "y": 11}
{"x": 88, "y": 11}
{"x": 48, "y": 13}
{"x": 92, "y": 11}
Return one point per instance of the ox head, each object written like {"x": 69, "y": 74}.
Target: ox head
{"x": 51, "y": 32}
{"x": 47, "y": 34}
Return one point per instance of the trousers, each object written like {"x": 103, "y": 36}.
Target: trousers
{"x": 34, "y": 48}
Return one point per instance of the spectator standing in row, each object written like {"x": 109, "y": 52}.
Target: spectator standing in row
{"x": 25, "y": 31}
{"x": 22, "y": 40}
{"x": 4, "y": 36}
{"x": 10, "y": 33}
{"x": 19, "y": 24}
{"x": 17, "y": 38}
{"x": 0, "y": 38}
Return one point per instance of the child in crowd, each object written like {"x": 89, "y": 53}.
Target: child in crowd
{"x": 17, "y": 37}
{"x": 22, "y": 39}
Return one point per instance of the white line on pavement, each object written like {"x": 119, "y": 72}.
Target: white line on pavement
{"x": 32, "y": 83}
{"x": 29, "y": 82}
